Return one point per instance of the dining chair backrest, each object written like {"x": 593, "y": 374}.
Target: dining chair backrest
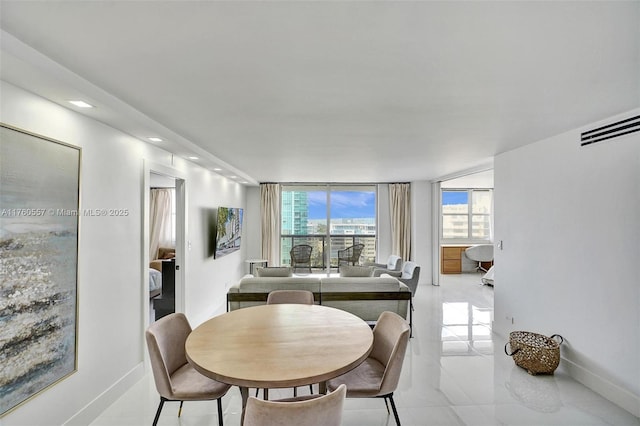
{"x": 325, "y": 410}
{"x": 303, "y": 297}
{"x": 390, "y": 340}
{"x": 166, "y": 339}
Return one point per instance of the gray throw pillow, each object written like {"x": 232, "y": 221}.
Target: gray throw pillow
{"x": 275, "y": 271}
{"x": 356, "y": 271}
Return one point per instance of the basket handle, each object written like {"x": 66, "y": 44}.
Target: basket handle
{"x": 561, "y": 338}
{"x": 512, "y": 353}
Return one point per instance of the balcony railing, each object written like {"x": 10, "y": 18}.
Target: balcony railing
{"x": 319, "y": 243}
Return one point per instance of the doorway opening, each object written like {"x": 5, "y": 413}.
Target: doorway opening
{"x": 462, "y": 218}
{"x": 164, "y": 236}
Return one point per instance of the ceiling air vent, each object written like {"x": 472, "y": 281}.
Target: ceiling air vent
{"x": 609, "y": 131}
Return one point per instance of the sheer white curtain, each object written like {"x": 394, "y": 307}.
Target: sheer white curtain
{"x": 270, "y": 220}
{"x": 160, "y": 220}
{"x": 400, "y": 206}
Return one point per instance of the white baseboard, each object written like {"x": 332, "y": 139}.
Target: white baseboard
{"x": 604, "y": 387}
{"x": 92, "y": 410}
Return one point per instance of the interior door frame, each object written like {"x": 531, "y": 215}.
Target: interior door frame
{"x": 181, "y": 234}
{"x": 436, "y": 193}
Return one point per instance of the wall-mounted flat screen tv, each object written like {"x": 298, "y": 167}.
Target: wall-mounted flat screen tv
{"x": 228, "y": 231}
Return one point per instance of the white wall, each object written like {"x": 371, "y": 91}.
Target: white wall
{"x": 208, "y": 279}
{"x": 568, "y": 219}
{"x": 110, "y": 287}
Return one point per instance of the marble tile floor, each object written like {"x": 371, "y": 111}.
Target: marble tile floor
{"x": 455, "y": 373}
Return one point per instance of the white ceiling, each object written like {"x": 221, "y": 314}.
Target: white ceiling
{"x": 331, "y": 90}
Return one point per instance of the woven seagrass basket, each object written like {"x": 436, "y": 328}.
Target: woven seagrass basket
{"x": 536, "y": 353}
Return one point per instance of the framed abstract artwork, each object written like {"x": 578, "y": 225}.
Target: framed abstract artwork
{"x": 39, "y": 221}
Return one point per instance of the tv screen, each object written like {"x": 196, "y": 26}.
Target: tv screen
{"x": 228, "y": 231}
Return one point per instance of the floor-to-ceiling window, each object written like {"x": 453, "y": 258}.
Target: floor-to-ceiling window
{"x": 329, "y": 218}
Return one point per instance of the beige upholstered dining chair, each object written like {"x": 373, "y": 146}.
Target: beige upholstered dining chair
{"x": 379, "y": 374}
{"x": 302, "y": 297}
{"x": 175, "y": 378}
{"x": 312, "y": 410}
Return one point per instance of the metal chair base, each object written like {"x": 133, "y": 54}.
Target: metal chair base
{"x": 393, "y": 406}
{"x": 163, "y": 400}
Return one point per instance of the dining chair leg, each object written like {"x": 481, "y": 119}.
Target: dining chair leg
{"x": 155, "y": 420}
{"x": 395, "y": 410}
{"x": 386, "y": 404}
{"x": 180, "y": 409}
{"x": 220, "y": 422}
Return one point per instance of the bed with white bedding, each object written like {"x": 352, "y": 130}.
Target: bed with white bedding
{"x": 155, "y": 283}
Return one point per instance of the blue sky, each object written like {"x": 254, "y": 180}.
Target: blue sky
{"x": 344, "y": 204}
{"x": 454, "y": 197}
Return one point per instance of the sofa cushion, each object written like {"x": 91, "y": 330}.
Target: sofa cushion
{"x": 356, "y": 271}
{"x": 275, "y": 271}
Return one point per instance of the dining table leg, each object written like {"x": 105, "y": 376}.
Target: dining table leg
{"x": 244, "y": 393}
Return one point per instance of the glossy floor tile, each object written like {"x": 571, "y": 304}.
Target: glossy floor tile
{"x": 455, "y": 373}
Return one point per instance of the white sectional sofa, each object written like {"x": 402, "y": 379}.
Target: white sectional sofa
{"x": 365, "y": 297}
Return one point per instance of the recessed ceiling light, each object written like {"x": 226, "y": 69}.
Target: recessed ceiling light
{"x": 217, "y": 169}
{"x": 233, "y": 177}
{"x": 155, "y": 139}
{"x": 192, "y": 158}
{"x": 81, "y": 104}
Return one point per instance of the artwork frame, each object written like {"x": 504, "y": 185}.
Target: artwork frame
{"x": 228, "y": 230}
{"x": 39, "y": 234}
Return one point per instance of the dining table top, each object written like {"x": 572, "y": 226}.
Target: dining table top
{"x": 280, "y": 345}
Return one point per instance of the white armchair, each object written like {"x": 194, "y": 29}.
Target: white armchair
{"x": 394, "y": 264}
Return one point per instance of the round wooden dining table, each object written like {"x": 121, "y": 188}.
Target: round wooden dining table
{"x": 278, "y": 346}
